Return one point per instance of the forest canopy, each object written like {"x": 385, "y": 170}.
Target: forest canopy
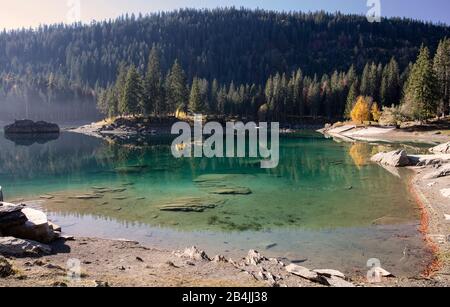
{"x": 234, "y": 50}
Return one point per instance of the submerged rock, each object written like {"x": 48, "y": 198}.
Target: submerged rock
{"x": 10, "y": 246}
{"x": 397, "y": 158}
{"x": 31, "y": 127}
{"x": 190, "y": 205}
{"x": 232, "y": 191}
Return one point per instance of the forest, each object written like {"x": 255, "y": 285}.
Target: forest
{"x": 232, "y": 61}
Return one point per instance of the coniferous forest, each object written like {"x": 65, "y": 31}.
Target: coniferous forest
{"x": 235, "y": 62}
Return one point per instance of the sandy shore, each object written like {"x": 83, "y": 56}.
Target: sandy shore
{"x": 385, "y": 134}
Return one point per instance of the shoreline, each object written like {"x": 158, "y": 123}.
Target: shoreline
{"x": 434, "y": 222}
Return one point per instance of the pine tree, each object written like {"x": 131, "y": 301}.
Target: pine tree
{"x": 153, "y": 96}
{"x": 351, "y": 99}
{"x": 176, "y": 89}
{"x": 390, "y": 84}
{"x": 196, "y": 103}
{"x": 422, "y": 94}
{"x": 132, "y": 94}
{"x": 442, "y": 71}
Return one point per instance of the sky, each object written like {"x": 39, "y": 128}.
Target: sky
{"x": 31, "y": 13}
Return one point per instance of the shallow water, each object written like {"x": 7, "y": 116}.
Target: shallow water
{"x": 325, "y": 204}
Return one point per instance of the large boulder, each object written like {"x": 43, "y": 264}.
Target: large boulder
{"x": 36, "y": 228}
{"x": 443, "y": 148}
{"x": 30, "y": 127}
{"x": 10, "y": 216}
{"x": 10, "y": 246}
{"x": 397, "y": 158}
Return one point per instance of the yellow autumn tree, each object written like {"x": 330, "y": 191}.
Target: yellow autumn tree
{"x": 360, "y": 112}
{"x": 376, "y": 114}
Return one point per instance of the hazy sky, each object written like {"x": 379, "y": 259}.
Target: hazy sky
{"x": 26, "y": 13}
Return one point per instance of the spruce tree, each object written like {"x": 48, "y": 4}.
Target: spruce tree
{"x": 441, "y": 66}
{"x": 421, "y": 94}
{"x": 196, "y": 103}
{"x": 153, "y": 96}
{"x": 353, "y": 95}
{"x": 132, "y": 94}
{"x": 176, "y": 89}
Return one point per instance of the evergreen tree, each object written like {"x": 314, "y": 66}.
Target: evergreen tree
{"x": 132, "y": 93}
{"x": 442, "y": 71}
{"x": 422, "y": 94}
{"x": 176, "y": 89}
{"x": 390, "y": 84}
{"x": 196, "y": 103}
{"x": 153, "y": 96}
{"x": 353, "y": 94}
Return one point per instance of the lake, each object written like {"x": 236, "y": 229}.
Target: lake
{"x": 324, "y": 206}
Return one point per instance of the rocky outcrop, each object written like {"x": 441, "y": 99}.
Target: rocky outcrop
{"x": 397, "y": 158}
{"x": 31, "y": 127}
{"x": 443, "y": 171}
{"x": 10, "y": 246}
{"x": 193, "y": 253}
{"x": 26, "y": 223}
{"x": 442, "y": 148}
{"x": 35, "y": 228}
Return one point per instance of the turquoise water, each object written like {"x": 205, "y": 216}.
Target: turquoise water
{"x": 325, "y": 204}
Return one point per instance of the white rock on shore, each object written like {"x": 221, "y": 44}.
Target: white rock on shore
{"x": 442, "y": 148}
{"x": 397, "y": 158}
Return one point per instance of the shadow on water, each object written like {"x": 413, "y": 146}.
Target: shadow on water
{"x": 30, "y": 139}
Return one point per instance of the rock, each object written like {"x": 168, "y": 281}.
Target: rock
{"x": 254, "y": 258}
{"x": 11, "y": 246}
{"x": 442, "y": 148}
{"x": 337, "y": 282}
{"x": 1, "y": 194}
{"x": 191, "y": 205}
{"x": 59, "y": 284}
{"x": 5, "y": 268}
{"x": 330, "y": 273}
{"x": 101, "y": 284}
{"x": 193, "y": 253}
{"x": 36, "y": 227}
{"x": 11, "y": 215}
{"x": 302, "y": 272}
{"x": 398, "y": 158}
{"x": 219, "y": 259}
{"x": 55, "y": 227}
{"x": 232, "y": 191}
{"x": 31, "y": 127}
{"x": 443, "y": 171}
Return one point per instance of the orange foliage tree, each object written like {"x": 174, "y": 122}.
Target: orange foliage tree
{"x": 360, "y": 112}
{"x": 376, "y": 114}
